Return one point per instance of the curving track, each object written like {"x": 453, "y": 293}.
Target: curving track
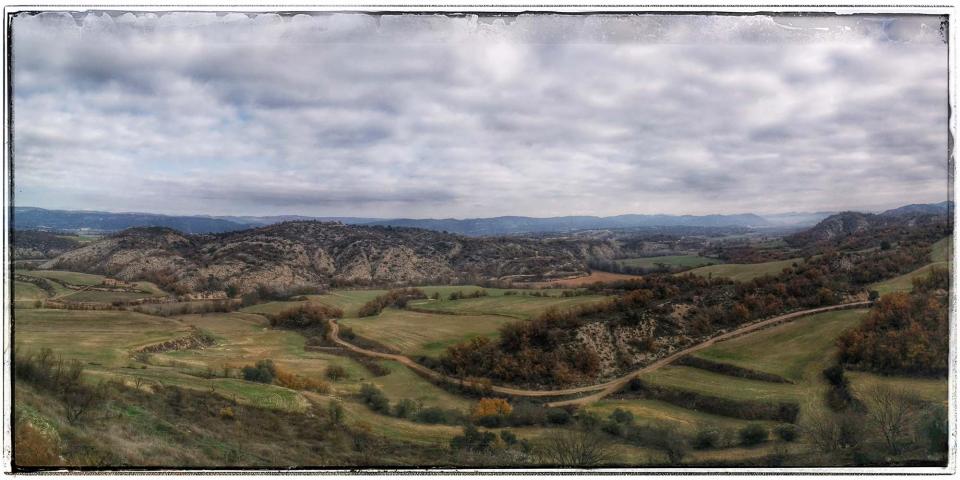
{"x": 601, "y": 389}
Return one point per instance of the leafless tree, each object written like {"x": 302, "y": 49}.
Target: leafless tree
{"x": 889, "y": 411}
{"x": 576, "y": 448}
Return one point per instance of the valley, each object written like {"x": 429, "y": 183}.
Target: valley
{"x": 666, "y": 368}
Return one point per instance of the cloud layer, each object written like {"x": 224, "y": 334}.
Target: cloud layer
{"x": 435, "y": 116}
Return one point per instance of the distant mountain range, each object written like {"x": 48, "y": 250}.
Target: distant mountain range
{"x": 32, "y": 218}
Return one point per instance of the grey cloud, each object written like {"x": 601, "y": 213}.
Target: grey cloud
{"x": 476, "y": 116}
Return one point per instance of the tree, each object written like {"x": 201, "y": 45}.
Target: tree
{"x": 491, "y": 406}
{"x": 890, "y": 411}
{"x": 575, "y": 448}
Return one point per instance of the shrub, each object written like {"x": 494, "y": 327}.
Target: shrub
{"x": 558, "y": 416}
{"x": 226, "y": 413}
{"x": 473, "y": 440}
{"x": 787, "y": 432}
{"x": 395, "y": 298}
{"x": 935, "y": 430}
{"x": 34, "y": 447}
{"x": 491, "y": 407}
{"x": 296, "y": 382}
{"x": 491, "y": 421}
{"x": 336, "y": 372}
{"x": 374, "y": 398}
{"x": 706, "y": 438}
{"x": 405, "y": 408}
{"x": 263, "y": 372}
{"x": 335, "y": 412}
{"x": 621, "y": 416}
{"x": 753, "y": 434}
{"x": 508, "y": 437}
{"x": 311, "y": 317}
{"x": 526, "y": 413}
{"x": 432, "y": 415}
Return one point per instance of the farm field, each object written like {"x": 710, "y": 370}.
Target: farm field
{"x": 787, "y": 350}
{"x": 594, "y": 277}
{"x": 743, "y": 272}
{"x": 73, "y": 278}
{"x": 518, "y": 306}
{"x": 415, "y": 333}
{"x": 686, "y": 261}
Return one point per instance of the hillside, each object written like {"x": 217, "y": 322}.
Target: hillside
{"x": 295, "y": 254}
{"x": 29, "y": 244}
{"x": 851, "y": 225}
{"x": 70, "y": 220}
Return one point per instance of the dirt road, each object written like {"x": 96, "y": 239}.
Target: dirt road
{"x": 601, "y": 389}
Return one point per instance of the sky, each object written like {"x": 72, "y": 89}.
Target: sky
{"x": 477, "y": 116}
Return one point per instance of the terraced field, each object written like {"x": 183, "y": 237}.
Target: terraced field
{"x": 743, "y": 272}
{"x": 415, "y": 333}
{"x": 788, "y": 350}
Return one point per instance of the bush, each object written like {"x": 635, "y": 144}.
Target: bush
{"x": 263, "y": 372}
{"x": 374, "y": 398}
{"x": 432, "y": 415}
{"x": 526, "y": 413}
{"x": 508, "y": 437}
{"x": 405, "y": 408}
{"x": 311, "y": 317}
{"x": 395, "y": 298}
{"x": 558, "y": 416}
{"x": 491, "y": 407}
{"x": 753, "y": 434}
{"x": 336, "y": 372}
{"x": 473, "y": 440}
{"x": 787, "y": 432}
{"x": 935, "y": 430}
{"x": 226, "y": 413}
{"x": 492, "y": 421}
{"x": 706, "y": 438}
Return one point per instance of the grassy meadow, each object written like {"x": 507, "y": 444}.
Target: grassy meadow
{"x": 743, "y": 272}
{"x": 684, "y": 261}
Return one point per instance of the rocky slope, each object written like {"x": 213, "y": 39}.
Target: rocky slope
{"x": 31, "y": 244}
{"x": 308, "y": 253}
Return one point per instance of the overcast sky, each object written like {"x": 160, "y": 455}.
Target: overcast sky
{"x": 431, "y": 116}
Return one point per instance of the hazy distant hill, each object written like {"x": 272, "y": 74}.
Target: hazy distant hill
{"x": 928, "y": 208}
{"x": 312, "y": 253}
{"x": 29, "y": 218}
{"x": 35, "y": 244}
{"x": 845, "y": 224}
{"x": 517, "y": 225}
{"x": 38, "y": 218}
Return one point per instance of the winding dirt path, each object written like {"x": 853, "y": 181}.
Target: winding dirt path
{"x": 601, "y": 389}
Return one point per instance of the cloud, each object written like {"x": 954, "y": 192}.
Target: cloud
{"x": 436, "y": 116}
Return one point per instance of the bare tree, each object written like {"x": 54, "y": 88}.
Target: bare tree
{"x": 890, "y": 411}
{"x": 576, "y": 448}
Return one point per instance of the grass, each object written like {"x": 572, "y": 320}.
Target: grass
{"x": 928, "y": 389}
{"x": 102, "y": 297}
{"x": 73, "y": 278}
{"x": 27, "y": 291}
{"x": 103, "y": 337}
{"x": 789, "y": 349}
{"x": 718, "y": 385}
{"x": 743, "y": 272}
{"x": 686, "y": 261}
{"x": 402, "y": 383}
{"x": 940, "y": 255}
{"x": 518, "y": 306}
{"x": 655, "y": 412}
{"x": 428, "y": 334}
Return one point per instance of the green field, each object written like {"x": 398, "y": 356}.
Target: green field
{"x": 787, "y": 350}
{"x": 350, "y": 301}
{"x": 518, "y": 306}
{"x": 103, "y": 337}
{"x": 657, "y": 413}
{"x": 743, "y": 272}
{"x": 73, "y": 278}
{"x": 415, "y": 333}
{"x": 685, "y": 261}
{"x": 27, "y": 291}
{"x": 940, "y": 255}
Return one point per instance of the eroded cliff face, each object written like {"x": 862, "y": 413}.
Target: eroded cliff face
{"x": 315, "y": 253}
